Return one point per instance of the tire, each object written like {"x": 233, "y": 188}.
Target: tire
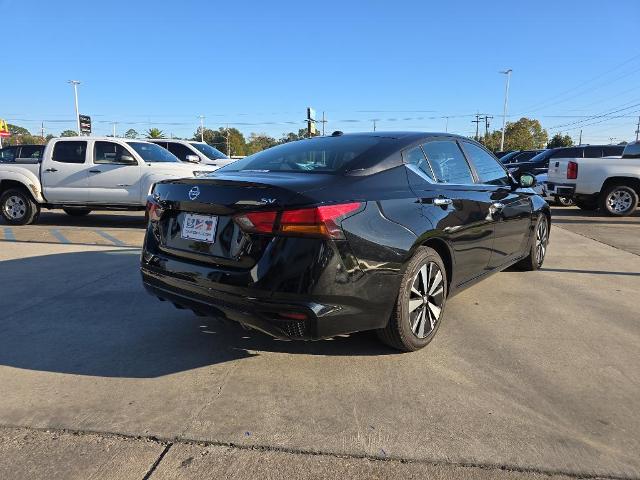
{"x": 77, "y": 212}
{"x": 564, "y": 201}
{"x": 538, "y": 249}
{"x": 410, "y": 330}
{"x": 586, "y": 204}
{"x": 18, "y": 207}
{"x": 618, "y": 200}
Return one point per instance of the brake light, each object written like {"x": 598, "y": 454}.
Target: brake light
{"x": 572, "y": 170}
{"x": 322, "y": 221}
{"x": 154, "y": 209}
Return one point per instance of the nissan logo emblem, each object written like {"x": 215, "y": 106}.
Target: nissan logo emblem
{"x": 194, "y": 193}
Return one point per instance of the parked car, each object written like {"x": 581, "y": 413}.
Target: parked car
{"x": 501, "y": 153}
{"x": 519, "y": 156}
{"x": 80, "y": 174}
{"x": 194, "y": 152}
{"x": 21, "y": 153}
{"x": 343, "y": 233}
{"x": 611, "y": 184}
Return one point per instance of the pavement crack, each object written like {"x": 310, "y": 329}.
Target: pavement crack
{"x": 155, "y": 464}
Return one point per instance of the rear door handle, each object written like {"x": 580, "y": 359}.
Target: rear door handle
{"x": 442, "y": 201}
{"x": 95, "y": 171}
{"x": 51, "y": 170}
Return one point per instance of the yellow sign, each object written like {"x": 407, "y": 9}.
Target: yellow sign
{"x": 4, "y": 129}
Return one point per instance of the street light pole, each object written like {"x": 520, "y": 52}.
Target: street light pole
{"x": 506, "y": 102}
{"x": 75, "y": 84}
{"x": 202, "y": 128}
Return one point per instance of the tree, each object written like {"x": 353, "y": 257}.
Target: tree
{"x": 69, "y": 133}
{"x": 218, "y": 139}
{"x": 258, "y": 142}
{"x": 16, "y": 130}
{"x": 292, "y": 136}
{"x": 560, "y": 140}
{"x": 155, "y": 133}
{"x": 525, "y": 134}
{"x": 131, "y": 133}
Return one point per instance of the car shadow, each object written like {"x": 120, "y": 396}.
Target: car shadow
{"x": 573, "y": 212}
{"x": 104, "y": 219}
{"x": 86, "y": 313}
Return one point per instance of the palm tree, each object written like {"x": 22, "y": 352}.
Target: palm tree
{"x": 155, "y": 133}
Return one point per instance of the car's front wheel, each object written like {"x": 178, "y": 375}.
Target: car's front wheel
{"x": 18, "y": 208}
{"x": 419, "y": 308}
{"x": 539, "y": 245}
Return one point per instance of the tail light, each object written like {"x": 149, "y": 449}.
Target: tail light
{"x": 322, "y": 221}
{"x": 154, "y": 209}
{"x": 572, "y": 170}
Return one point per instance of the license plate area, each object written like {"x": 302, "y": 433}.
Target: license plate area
{"x": 199, "y": 227}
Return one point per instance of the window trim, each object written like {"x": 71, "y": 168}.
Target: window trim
{"x": 456, "y": 141}
{"x": 414, "y": 168}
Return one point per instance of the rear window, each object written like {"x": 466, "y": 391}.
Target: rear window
{"x": 69, "y": 151}
{"x": 612, "y": 150}
{"x": 316, "y": 155}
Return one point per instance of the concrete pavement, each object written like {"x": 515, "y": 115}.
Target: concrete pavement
{"x": 531, "y": 371}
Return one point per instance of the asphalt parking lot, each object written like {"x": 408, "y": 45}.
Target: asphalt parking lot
{"x": 531, "y": 374}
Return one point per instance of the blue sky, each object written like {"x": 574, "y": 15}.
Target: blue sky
{"x": 257, "y": 65}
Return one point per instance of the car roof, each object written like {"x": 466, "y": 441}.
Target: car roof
{"x": 108, "y": 139}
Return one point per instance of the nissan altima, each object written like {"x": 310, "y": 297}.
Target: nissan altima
{"x": 337, "y": 234}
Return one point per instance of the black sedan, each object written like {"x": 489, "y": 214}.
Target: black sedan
{"x": 338, "y": 234}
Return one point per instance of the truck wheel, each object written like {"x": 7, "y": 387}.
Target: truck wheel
{"x": 419, "y": 309}
{"x": 564, "y": 201}
{"x": 587, "y": 204}
{"x": 619, "y": 200}
{"x": 77, "y": 212}
{"x": 18, "y": 208}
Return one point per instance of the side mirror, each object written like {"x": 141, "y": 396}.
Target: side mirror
{"x": 127, "y": 159}
{"x": 193, "y": 158}
{"x": 527, "y": 180}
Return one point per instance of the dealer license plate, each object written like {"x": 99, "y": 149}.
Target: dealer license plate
{"x": 199, "y": 227}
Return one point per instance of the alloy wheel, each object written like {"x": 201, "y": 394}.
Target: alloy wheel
{"x": 542, "y": 239}
{"x": 15, "y": 207}
{"x": 426, "y": 300}
{"x": 619, "y": 201}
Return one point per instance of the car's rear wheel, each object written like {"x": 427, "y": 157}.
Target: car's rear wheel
{"x": 419, "y": 308}
{"x": 539, "y": 245}
{"x": 18, "y": 208}
{"x": 619, "y": 200}
{"x": 77, "y": 212}
{"x": 586, "y": 203}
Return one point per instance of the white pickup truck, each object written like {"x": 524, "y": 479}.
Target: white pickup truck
{"x": 80, "y": 174}
{"x": 610, "y": 184}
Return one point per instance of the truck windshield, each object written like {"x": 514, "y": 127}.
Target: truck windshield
{"x": 153, "y": 153}
{"x": 209, "y": 151}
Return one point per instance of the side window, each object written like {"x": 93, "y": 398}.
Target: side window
{"x": 180, "y": 151}
{"x": 31, "y": 151}
{"x": 447, "y": 162}
{"x": 488, "y": 169}
{"x": 114, "y": 153}
{"x": 593, "y": 152}
{"x": 69, "y": 151}
{"x": 416, "y": 158}
{"x": 567, "y": 153}
{"x": 631, "y": 151}
{"x": 7, "y": 154}
{"x": 612, "y": 150}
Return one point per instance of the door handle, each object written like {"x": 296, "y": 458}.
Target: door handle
{"x": 497, "y": 206}
{"x": 51, "y": 170}
{"x": 442, "y": 201}
{"x": 123, "y": 185}
{"x": 495, "y": 210}
{"x": 95, "y": 171}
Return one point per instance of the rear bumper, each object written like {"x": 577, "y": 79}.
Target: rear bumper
{"x": 364, "y": 303}
{"x": 560, "y": 189}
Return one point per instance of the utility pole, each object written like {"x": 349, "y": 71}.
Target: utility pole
{"x": 202, "y": 128}
{"x": 75, "y": 84}
{"x": 580, "y": 140}
{"x": 638, "y": 129}
{"x": 323, "y": 122}
{"x": 487, "y": 119}
{"x": 42, "y": 129}
{"x": 374, "y": 124}
{"x": 506, "y": 102}
{"x": 477, "y": 122}
{"x": 446, "y": 125}
{"x": 114, "y": 128}
{"x": 228, "y": 146}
